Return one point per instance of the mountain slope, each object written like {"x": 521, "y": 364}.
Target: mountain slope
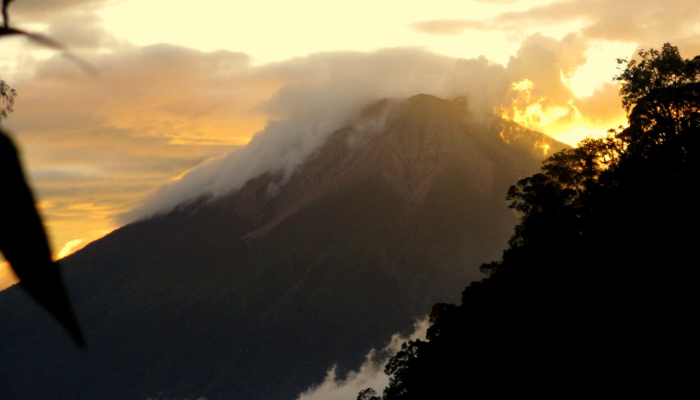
{"x": 255, "y": 294}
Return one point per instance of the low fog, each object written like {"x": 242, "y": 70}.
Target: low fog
{"x": 371, "y": 373}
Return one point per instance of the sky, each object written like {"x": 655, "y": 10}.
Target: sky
{"x": 180, "y": 89}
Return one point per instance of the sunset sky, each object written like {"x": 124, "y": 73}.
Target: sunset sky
{"x": 181, "y": 82}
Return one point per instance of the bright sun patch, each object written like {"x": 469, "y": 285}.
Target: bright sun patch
{"x": 535, "y": 112}
{"x": 70, "y": 247}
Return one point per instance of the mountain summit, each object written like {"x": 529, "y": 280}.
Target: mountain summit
{"x": 254, "y": 295}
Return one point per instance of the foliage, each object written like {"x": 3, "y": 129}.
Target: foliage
{"x": 596, "y": 289}
{"x": 656, "y": 71}
{"x": 660, "y": 94}
{"x": 7, "y": 99}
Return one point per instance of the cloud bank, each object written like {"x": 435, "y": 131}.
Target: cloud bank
{"x": 322, "y": 92}
{"x": 40, "y": 10}
{"x": 98, "y": 147}
{"x": 371, "y": 373}
{"x": 646, "y": 22}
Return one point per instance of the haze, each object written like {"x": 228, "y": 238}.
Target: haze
{"x": 181, "y": 86}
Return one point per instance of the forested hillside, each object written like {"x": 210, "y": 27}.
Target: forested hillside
{"x": 597, "y": 292}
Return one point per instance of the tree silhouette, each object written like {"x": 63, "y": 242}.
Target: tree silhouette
{"x": 660, "y": 95}
{"x": 597, "y": 288}
{"x": 7, "y": 99}
{"x": 368, "y": 394}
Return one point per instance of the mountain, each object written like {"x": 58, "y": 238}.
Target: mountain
{"x": 254, "y": 295}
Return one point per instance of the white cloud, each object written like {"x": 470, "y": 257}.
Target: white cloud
{"x": 323, "y": 91}
{"x": 155, "y": 112}
{"x": 371, "y": 373}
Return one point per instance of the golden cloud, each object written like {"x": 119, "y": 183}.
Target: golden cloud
{"x": 96, "y": 147}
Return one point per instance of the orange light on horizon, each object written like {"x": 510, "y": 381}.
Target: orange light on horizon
{"x": 70, "y": 248}
{"x": 7, "y": 275}
{"x": 564, "y": 123}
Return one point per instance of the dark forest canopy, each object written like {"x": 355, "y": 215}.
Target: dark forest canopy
{"x": 597, "y": 290}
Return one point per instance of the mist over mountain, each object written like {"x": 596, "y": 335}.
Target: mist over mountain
{"x": 256, "y": 293}
{"x": 324, "y": 92}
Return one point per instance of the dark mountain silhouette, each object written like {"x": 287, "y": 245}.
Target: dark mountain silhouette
{"x": 256, "y": 294}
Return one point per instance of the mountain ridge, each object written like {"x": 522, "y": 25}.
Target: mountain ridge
{"x": 408, "y": 169}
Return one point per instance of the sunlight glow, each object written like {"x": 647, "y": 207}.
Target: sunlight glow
{"x": 7, "y": 275}
{"x": 600, "y": 66}
{"x": 70, "y": 248}
{"x": 272, "y": 30}
{"x": 563, "y": 123}
{"x": 534, "y": 113}
{"x": 575, "y": 134}
{"x": 216, "y": 117}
